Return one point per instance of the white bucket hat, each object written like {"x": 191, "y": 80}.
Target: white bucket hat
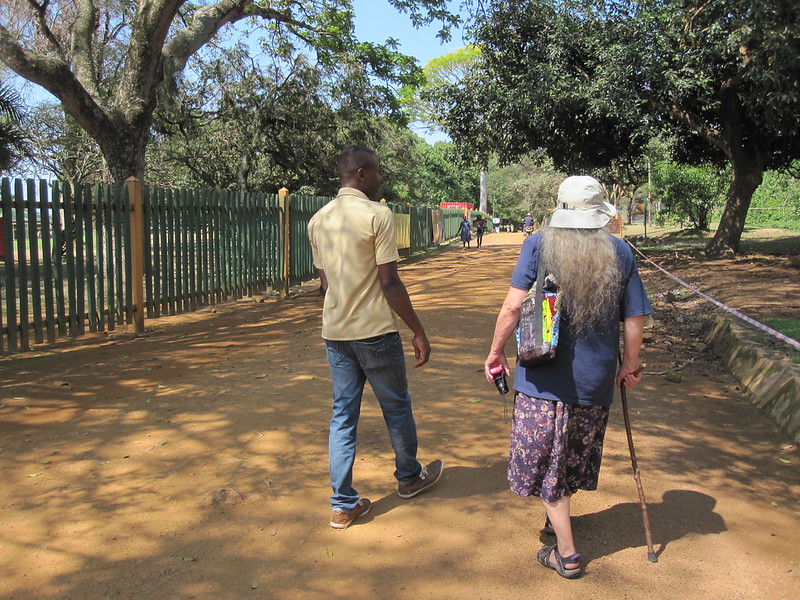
{"x": 582, "y": 204}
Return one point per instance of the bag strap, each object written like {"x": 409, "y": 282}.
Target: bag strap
{"x": 537, "y": 312}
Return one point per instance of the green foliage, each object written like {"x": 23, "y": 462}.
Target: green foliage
{"x": 591, "y": 81}
{"x": 731, "y": 68}
{"x": 12, "y": 139}
{"x": 113, "y": 64}
{"x": 689, "y": 193}
{"x": 242, "y": 126}
{"x": 442, "y": 71}
{"x": 528, "y": 186}
{"x": 544, "y": 82}
{"x": 441, "y": 177}
{"x": 776, "y": 203}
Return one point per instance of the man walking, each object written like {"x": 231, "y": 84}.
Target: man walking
{"x": 355, "y": 251}
{"x": 480, "y": 227}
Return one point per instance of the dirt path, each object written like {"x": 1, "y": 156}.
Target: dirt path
{"x": 110, "y": 453}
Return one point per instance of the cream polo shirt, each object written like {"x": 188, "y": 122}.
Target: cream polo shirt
{"x": 350, "y": 236}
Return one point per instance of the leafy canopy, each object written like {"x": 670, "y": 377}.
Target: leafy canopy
{"x": 113, "y": 62}
{"x": 688, "y": 192}
{"x": 590, "y": 81}
{"x": 13, "y": 145}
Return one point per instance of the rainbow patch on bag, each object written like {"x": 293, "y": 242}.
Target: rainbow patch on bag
{"x": 550, "y": 319}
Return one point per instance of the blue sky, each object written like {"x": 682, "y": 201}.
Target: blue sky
{"x": 377, "y": 20}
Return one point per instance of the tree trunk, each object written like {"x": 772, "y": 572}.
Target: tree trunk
{"x": 631, "y": 207}
{"x": 484, "y": 199}
{"x": 124, "y": 151}
{"x": 748, "y": 173}
{"x": 243, "y": 173}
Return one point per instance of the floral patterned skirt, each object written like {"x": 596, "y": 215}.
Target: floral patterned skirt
{"x": 556, "y": 447}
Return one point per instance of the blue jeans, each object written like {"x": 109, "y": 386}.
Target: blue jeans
{"x": 380, "y": 361}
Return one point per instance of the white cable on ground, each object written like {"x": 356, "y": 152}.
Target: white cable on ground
{"x": 734, "y": 312}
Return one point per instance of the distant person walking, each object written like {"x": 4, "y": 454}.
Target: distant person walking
{"x": 561, "y": 406}
{"x": 355, "y": 252}
{"x": 527, "y": 224}
{"x": 464, "y": 231}
{"x": 480, "y": 228}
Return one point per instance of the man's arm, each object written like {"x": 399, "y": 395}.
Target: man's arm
{"x": 323, "y": 282}
{"x": 397, "y": 296}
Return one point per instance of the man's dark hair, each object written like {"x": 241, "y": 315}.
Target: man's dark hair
{"x": 354, "y": 158}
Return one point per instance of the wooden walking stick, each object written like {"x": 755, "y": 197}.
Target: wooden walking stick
{"x": 651, "y": 555}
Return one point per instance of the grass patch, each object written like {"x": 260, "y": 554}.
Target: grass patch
{"x": 787, "y": 326}
{"x": 782, "y": 243}
{"x": 754, "y": 240}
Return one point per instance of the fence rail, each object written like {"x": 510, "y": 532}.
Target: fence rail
{"x": 78, "y": 259}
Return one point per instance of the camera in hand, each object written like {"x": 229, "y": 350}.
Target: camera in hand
{"x": 499, "y": 376}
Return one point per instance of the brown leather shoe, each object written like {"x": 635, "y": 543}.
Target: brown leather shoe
{"x": 341, "y": 519}
{"x": 429, "y": 475}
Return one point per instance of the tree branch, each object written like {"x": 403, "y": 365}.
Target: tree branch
{"x": 54, "y": 75}
{"x": 141, "y": 74}
{"x": 205, "y": 24}
{"x": 207, "y": 21}
{"x": 690, "y": 22}
{"x": 271, "y": 14}
{"x": 81, "y": 48}
{"x": 41, "y": 23}
{"x": 714, "y": 136}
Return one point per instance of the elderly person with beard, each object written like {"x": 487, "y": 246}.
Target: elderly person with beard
{"x": 561, "y": 407}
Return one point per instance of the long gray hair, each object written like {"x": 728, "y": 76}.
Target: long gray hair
{"x": 585, "y": 265}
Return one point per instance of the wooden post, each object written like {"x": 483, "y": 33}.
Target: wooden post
{"x": 283, "y": 197}
{"x": 410, "y": 230}
{"x": 137, "y": 250}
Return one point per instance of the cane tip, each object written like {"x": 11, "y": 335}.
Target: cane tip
{"x": 651, "y": 556}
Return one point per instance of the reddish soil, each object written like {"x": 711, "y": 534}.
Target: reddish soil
{"x": 112, "y": 450}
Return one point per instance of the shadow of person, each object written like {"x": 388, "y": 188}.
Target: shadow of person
{"x": 456, "y": 482}
{"x": 619, "y": 527}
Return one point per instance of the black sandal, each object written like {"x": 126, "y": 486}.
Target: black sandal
{"x": 559, "y": 567}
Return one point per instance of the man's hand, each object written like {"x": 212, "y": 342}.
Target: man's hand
{"x": 397, "y": 296}
{"x": 422, "y": 349}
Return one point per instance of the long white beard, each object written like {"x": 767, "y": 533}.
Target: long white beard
{"x": 585, "y": 265}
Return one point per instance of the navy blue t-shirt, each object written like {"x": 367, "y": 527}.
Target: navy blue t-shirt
{"x": 584, "y": 370}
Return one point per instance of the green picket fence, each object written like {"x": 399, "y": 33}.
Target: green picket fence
{"x": 202, "y": 248}
{"x": 63, "y": 261}
{"x": 301, "y": 263}
{"x": 67, "y": 253}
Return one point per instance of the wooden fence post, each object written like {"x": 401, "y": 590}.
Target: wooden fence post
{"x": 137, "y": 250}
{"x": 283, "y": 197}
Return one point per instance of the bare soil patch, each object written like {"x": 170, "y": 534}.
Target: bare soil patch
{"x": 192, "y": 462}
